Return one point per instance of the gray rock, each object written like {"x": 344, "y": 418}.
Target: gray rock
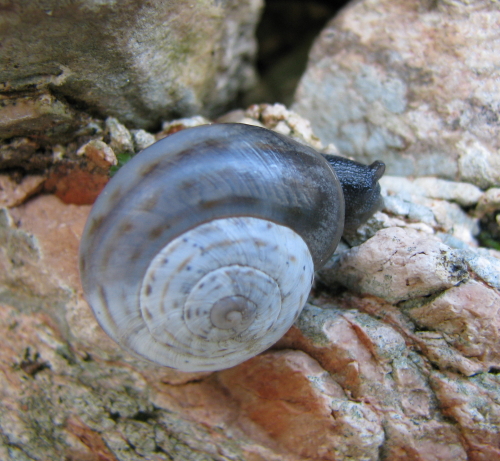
{"x": 477, "y": 162}
{"x": 399, "y": 185}
{"x": 139, "y": 62}
{"x": 142, "y": 139}
{"x": 408, "y": 209}
{"x": 367, "y": 230}
{"x": 397, "y": 205}
{"x": 451, "y": 218}
{"x": 120, "y": 139}
{"x": 483, "y": 264}
{"x": 431, "y": 201}
{"x": 21, "y": 152}
{"x": 452, "y": 241}
{"x": 382, "y": 85}
{"x": 23, "y": 113}
{"x": 464, "y": 194}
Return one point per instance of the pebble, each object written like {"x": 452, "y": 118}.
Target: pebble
{"x": 120, "y": 139}
{"x": 142, "y": 139}
{"x": 99, "y": 153}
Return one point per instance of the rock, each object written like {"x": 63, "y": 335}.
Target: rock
{"x": 40, "y": 113}
{"x": 483, "y": 264}
{"x": 355, "y": 377}
{"x": 466, "y": 320}
{"x": 463, "y": 193}
{"x": 34, "y": 277}
{"x": 400, "y": 362}
{"x": 431, "y": 201}
{"x": 142, "y": 139}
{"x": 371, "y": 362}
{"x": 479, "y": 417}
{"x": 477, "y": 163}
{"x": 409, "y": 209}
{"x": 452, "y": 219}
{"x": 367, "y": 230}
{"x": 120, "y": 139}
{"x": 122, "y": 414}
{"x": 278, "y": 118}
{"x": 489, "y": 202}
{"x": 330, "y": 425}
{"x": 99, "y": 153}
{"x": 20, "y": 153}
{"x": 180, "y": 124}
{"x": 138, "y": 63}
{"x": 81, "y": 179}
{"x": 398, "y": 264}
{"x": 13, "y": 194}
{"x": 382, "y": 84}
{"x": 76, "y": 185}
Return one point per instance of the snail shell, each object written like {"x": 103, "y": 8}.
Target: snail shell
{"x": 200, "y": 252}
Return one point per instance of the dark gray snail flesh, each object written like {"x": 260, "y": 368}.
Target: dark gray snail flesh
{"x": 360, "y": 188}
{"x": 200, "y": 252}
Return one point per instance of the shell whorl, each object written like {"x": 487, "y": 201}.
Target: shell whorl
{"x": 209, "y": 204}
{"x": 221, "y": 293}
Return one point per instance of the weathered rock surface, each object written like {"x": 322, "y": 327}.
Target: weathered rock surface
{"x": 460, "y": 327}
{"x": 356, "y": 378}
{"x": 13, "y": 193}
{"x": 398, "y": 361}
{"x": 435, "y": 202}
{"x": 139, "y": 62}
{"x": 463, "y": 193}
{"x": 412, "y": 84}
{"x": 397, "y": 264}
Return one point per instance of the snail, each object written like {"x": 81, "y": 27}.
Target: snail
{"x": 200, "y": 252}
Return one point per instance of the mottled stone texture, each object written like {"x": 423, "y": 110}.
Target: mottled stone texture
{"x": 397, "y": 264}
{"x": 358, "y": 377}
{"x": 141, "y": 62}
{"x": 411, "y": 83}
{"x": 398, "y": 359}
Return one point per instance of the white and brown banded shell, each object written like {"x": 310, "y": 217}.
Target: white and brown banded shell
{"x": 217, "y": 295}
{"x": 200, "y": 252}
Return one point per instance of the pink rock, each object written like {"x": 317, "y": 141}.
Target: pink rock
{"x": 303, "y": 408}
{"x": 466, "y": 318}
{"x": 13, "y": 194}
{"x": 354, "y": 379}
{"x": 397, "y": 264}
{"x": 372, "y": 362}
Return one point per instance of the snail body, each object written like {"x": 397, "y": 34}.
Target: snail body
{"x": 200, "y": 252}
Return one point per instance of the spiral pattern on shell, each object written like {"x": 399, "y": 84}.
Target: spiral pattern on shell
{"x": 200, "y": 252}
